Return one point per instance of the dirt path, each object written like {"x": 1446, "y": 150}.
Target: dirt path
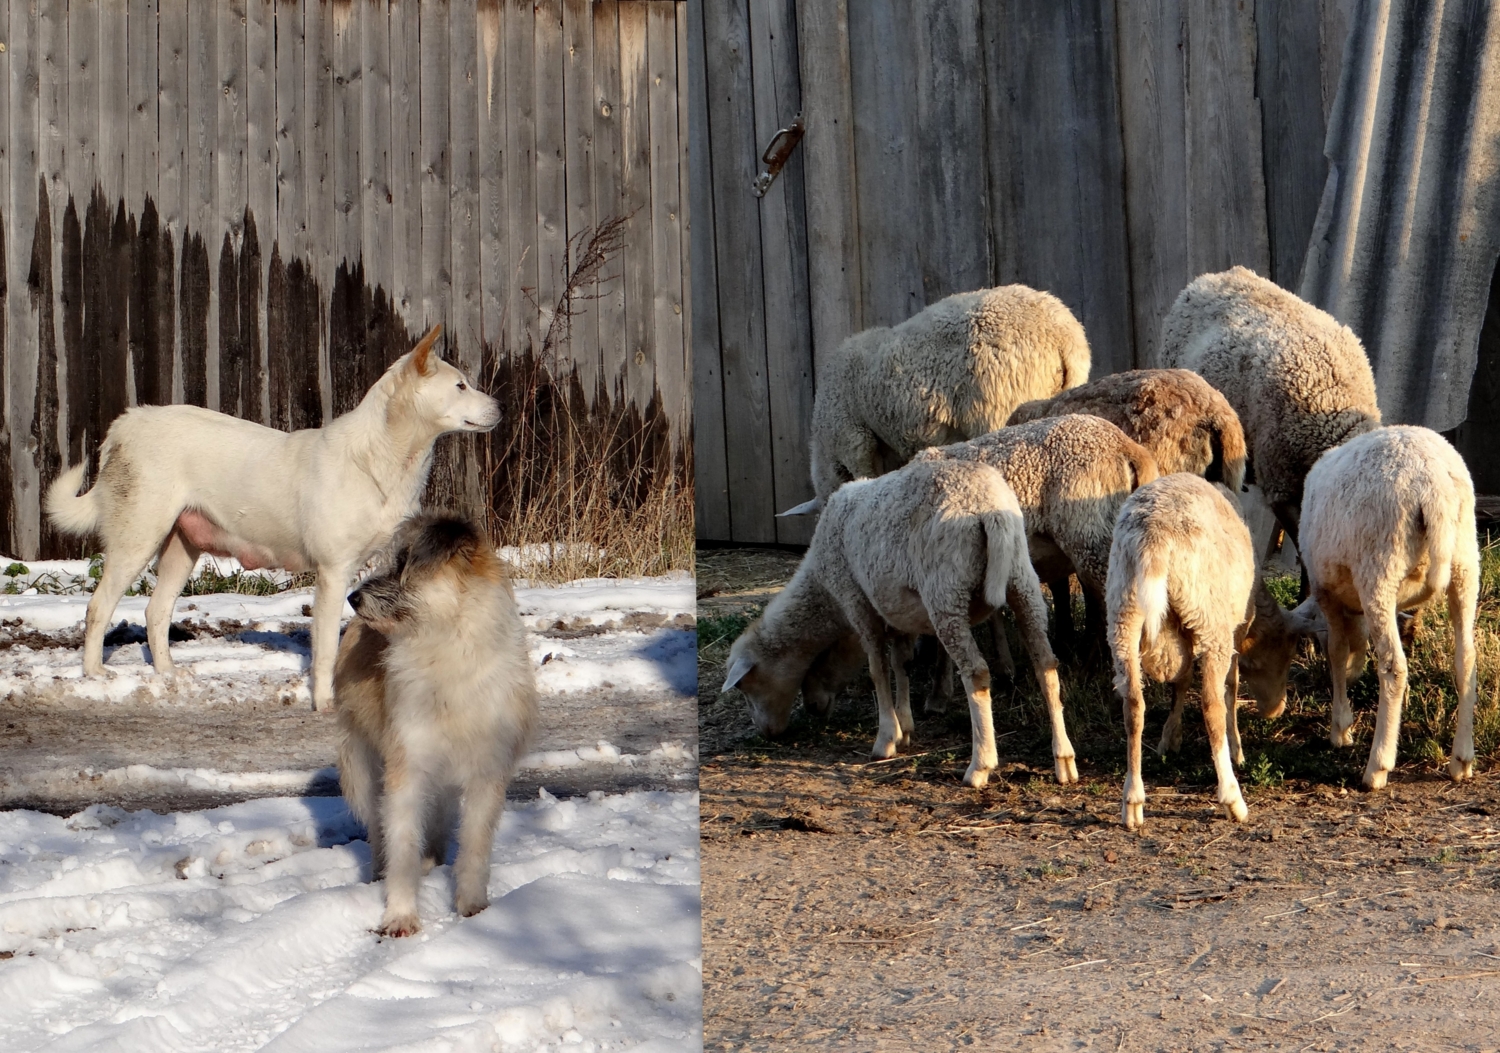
{"x": 850, "y": 904}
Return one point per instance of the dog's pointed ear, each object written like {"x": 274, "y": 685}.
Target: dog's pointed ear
{"x": 421, "y": 355}
{"x": 737, "y": 670}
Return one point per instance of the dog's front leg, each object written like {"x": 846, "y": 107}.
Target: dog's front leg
{"x": 483, "y": 799}
{"x": 401, "y": 829}
{"x": 328, "y": 607}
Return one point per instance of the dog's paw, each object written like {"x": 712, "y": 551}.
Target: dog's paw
{"x": 399, "y": 925}
{"x": 468, "y": 906}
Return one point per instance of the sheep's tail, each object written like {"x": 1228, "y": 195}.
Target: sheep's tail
{"x": 70, "y": 511}
{"x": 1227, "y": 441}
{"x": 1440, "y": 521}
{"x": 1151, "y": 591}
{"x": 1143, "y": 466}
{"x": 1001, "y": 531}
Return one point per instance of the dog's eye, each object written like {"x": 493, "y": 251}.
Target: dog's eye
{"x": 462, "y": 386}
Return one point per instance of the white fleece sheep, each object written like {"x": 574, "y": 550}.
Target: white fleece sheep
{"x": 925, "y": 550}
{"x": 1070, "y": 474}
{"x": 1181, "y": 569}
{"x": 951, "y": 372}
{"x": 1387, "y": 524}
{"x": 1300, "y": 382}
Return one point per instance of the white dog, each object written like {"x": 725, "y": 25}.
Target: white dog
{"x": 436, "y": 697}
{"x": 177, "y": 481}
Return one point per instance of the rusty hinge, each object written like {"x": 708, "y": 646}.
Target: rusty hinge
{"x": 782, "y": 145}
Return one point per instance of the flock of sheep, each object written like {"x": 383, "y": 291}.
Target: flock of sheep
{"x": 961, "y": 458}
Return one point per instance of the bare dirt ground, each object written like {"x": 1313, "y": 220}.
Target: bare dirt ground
{"x": 851, "y": 904}
{"x": 261, "y": 734}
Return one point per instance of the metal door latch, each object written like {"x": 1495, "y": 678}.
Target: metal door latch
{"x": 782, "y": 145}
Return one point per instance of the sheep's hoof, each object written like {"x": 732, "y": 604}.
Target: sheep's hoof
{"x": 1375, "y": 779}
{"x": 1238, "y": 757}
{"x": 1171, "y": 739}
{"x": 976, "y": 777}
{"x": 1342, "y": 736}
{"x": 884, "y": 748}
{"x": 1459, "y": 770}
{"x": 1133, "y": 815}
{"x": 1235, "y": 809}
{"x": 1067, "y": 770}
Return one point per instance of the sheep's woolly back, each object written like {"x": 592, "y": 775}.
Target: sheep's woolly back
{"x": 1392, "y": 501}
{"x": 1070, "y": 475}
{"x": 1180, "y": 549}
{"x": 1300, "y": 382}
{"x": 1174, "y": 413}
{"x": 953, "y": 371}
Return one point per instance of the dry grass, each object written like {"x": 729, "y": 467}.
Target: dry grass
{"x": 584, "y": 483}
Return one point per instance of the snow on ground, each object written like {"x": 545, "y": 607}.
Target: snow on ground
{"x": 249, "y": 927}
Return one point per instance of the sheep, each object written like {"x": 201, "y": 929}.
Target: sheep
{"x": 929, "y": 549}
{"x": 953, "y": 371}
{"x": 1181, "y": 571}
{"x": 1388, "y": 523}
{"x": 1070, "y": 474}
{"x": 1300, "y": 382}
{"x": 1174, "y": 413}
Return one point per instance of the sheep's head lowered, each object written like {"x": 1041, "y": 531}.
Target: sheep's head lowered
{"x": 1269, "y": 645}
{"x": 770, "y": 685}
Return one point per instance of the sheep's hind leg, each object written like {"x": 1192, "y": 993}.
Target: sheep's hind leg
{"x": 1215, "y": 672}
{"x": 1062, "y": 616}
{"x": 953, "y": 632}
{"x": 873, "y": 633}
{"x": 1391, "y": 664}
{"x": 1232, "y": 705}
{"x": 1463, "y": 598}
{"x": 903, "y": 647}
{"x": 1171, "y": 732}
{"x": 1126, "y": 645}
{"x": 1024, "y": 597}
{"x": 1342, "y": 637}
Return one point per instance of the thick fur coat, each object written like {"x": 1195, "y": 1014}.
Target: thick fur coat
{"x": 1181, "y": 571}
{"x": 1300, "y": 382}
{"x": 1387, "y": 525}
{"x": 953, "y": 371}
{"x": 1174, "y": 413}
{"x": 177, "y": 481}
{"x": 927, "y": 550}
{"x": 437, "y": 702}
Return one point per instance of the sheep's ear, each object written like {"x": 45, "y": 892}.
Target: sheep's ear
{"x": 421, "y": 355}
{"x": 737, "y": 670}
{"x": 1306, "y": 618}
{"x": 804, "y": 509}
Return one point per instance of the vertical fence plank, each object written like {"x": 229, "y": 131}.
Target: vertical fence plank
{"x": 710, "y": 466}
{"x": 317, "y": 159}
{"x": 783, "y": 234}
{"x": 260, "y": 191}
{"x": 9, "y": 320}
{"x": 377, "y": 221}
{"x": 141, "y": 160}
{"x": 83, "y": 228}
{"x": 227, "y": 231}
{"x": 609, "y": 195}
{"x": 885, "y": 145}
{"x": 114, "y": 98}
{"x": 834, "y": 281}
{"x": 347, "y": 324}
{"x": 436, "y": 247}
{"x": 197, "y": 308}
{"x": 23, "y": 312}
{"x": 684, "y": 426}
{"x": 551, "y": 177}
{"x": 666, "y": 211}
{"x": 635, "y": 154}
{"x": 578, "y": 126}
{"x": 289, "y": 343}
{"x": 742, "y": 336}
{"x": 172, "y": 183}
{"x": 463, "y": 194}
{"x": 523, "y": 268}
{"x": 406, "y": 142}
{"x": 494, "y": 287}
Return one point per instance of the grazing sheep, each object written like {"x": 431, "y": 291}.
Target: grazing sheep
{"x": 950, "y": 372}
{"x": 1387, "y": 524}
{"x": 1181, "y": 570}
{"x": 930, "y": 549}
{"x": 1070, "y": 474}
{"x": 1174, "y": 413}
{"x": 1300, "y": 381}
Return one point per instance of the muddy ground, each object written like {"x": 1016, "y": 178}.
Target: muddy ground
{"x": 859, "y": 905}
{"x": 273, "y": 733}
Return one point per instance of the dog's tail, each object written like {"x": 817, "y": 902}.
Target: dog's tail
{"x": 70, "y": 511}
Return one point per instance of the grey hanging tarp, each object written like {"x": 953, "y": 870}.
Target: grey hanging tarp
{"x": 1409, "y": 226}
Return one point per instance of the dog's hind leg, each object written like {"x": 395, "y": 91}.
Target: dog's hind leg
{"x": 173, "y": 568}
{"x": 440, "y": 816}
{"x": 483, "y": 800}
{"x": 122, "y": 566}
{"x": 359, "y": 781}
{"x": 401, "y": 809}
{"x": 328, "y": 605}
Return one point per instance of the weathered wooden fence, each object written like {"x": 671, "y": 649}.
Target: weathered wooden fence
{"x": 1106, "y": 150}
{"x": 255, "y": 205}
